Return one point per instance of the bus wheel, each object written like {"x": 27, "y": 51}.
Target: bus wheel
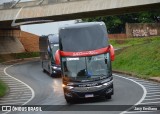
{"x": 108, "y": 96}
{"x": 69, "y": 100}
{"x": 44, "y": 70}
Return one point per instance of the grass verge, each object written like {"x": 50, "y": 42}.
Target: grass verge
{"x": 3, "y": 88}
{"x": 121, "y": 43}
{"x": 13, "y": 56}
{"x": 140, "y": 60}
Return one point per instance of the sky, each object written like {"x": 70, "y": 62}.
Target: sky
{"x": 46, "y": 28}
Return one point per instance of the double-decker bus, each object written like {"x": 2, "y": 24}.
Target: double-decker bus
{"x": 48, "y": 46}
{"x": 85, "y": 57}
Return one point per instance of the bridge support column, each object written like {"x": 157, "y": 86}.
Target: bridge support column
{"x": 9, "y": 42}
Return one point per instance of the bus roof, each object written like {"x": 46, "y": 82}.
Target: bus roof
{"x": 83, "y": 37}
{"x": 53, "y": 38}
{"x": 81, "y": 25}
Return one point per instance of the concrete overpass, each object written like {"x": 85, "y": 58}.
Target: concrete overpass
{"x": 58, "y": 10}
{"x": 72, "y": 9}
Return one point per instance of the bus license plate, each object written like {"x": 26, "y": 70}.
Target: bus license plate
{"x": 89, "y": 95}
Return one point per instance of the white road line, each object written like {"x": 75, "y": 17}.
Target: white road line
{"x": 18, "y": 94}
{"x": 6, "y": 101}
{"x": 152, "y": 87}
{"x": 144, "y": 91}
{"x": 153, "y": 93}
{"x": 142, "y": 81}
{"x": 10, "y": 82}
{"x": 18, "y": 90}
{"x": 32, "y": 91}
{"x": 22, "y": 88}
{"x": 15, "y": 103}
{"x": 153, "y": 90}
{"x": 15, "y": 86}
{"x": 9, "y": 98}
{"x": 149, "y": 84}
{"x": 151, "y": 99}
{"x": 150, "y": 103}
{"x": 152, "y": 96}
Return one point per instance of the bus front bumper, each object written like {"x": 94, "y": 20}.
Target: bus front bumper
{"x": 89, "y": 93}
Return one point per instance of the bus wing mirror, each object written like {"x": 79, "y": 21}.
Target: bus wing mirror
{"x": 111, "y": 53}
{"x": 57, "y": 58}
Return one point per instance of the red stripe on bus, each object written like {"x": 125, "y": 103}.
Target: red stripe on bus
{"x": 85, "y": 53}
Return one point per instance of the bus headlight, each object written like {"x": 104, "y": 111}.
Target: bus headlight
{"x": 67, "y": 87}
{"x": 106, "y": 84}
{"x": 55, "y": 67}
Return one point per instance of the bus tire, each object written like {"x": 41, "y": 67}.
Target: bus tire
{"x": 108, "y": 96}
{"x": 68, "y": 100}
{"x": 44, "y": 70}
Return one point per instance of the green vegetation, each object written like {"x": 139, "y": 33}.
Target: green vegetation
{"x": 3, "y": 89}
{"x": 116, "y": 23}
{"x": 26, "y": 55}
{"x": 140, "y": 60}
{"x": 8, "y": 57}
{"x": 120, "y": 43}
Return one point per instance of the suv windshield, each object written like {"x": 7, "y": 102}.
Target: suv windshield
{"x": 86, "y": 67}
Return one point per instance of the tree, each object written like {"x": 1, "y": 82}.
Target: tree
{"x": 116, "y": 23}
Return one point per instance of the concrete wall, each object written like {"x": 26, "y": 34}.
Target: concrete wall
{"x": 142, "y": 29}
{"x": 17, "y": 41}
{"x": 29, "y": 41}
{"x": 9, "y": 42}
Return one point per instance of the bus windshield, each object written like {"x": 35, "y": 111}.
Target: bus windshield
{"x": 54, "y": 48}
{"x": 86, "y": 67}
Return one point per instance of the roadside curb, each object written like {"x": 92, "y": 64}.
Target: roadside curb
{"x": 20, "y": 60}
{"x": 154, "y": 79}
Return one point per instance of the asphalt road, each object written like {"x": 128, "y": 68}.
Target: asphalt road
{"x": 48, "y": 91}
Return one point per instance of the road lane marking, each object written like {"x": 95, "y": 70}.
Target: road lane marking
{"x": 153, "y": 87}
{"x": 150, "y": 102}
{"x": 144, "y": 92}
{"x": 153, "y": 96}
{"x": 152, "y": 99}
{"x": 11, "y": 104}
{"x": 154, "y": 93}
{"x": 22, "y": 83}
{"x": 154, "y": 90}
{"x": 6, "y": 101}
{"x": 15, "y": 98}
{"x": 148, "y": 84}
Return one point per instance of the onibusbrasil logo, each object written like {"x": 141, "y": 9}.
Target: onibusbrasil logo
{"x": 21, "y": 108}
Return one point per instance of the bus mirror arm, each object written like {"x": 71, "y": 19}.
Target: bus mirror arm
{"x": 112, "y": 53}
{"x": 57, "y": 58}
